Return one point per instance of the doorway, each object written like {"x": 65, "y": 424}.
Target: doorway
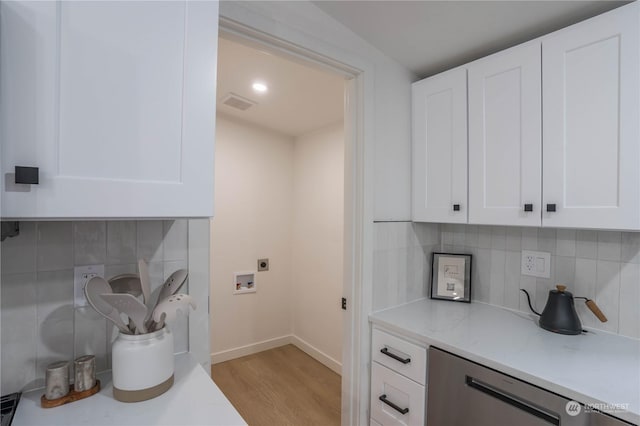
{"x": 358, "y": 222}
{"x": 280, "y": 191}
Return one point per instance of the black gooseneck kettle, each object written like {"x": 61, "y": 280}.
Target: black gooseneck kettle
{"x": 559, "y": 314}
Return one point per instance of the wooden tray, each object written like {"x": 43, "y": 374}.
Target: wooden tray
{"x": 72, "y": 396}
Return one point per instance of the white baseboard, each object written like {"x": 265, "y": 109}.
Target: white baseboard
{"x": 254, "y": 348}
{"x": 317, "y": 354}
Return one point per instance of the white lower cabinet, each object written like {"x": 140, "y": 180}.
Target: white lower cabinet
{"x": 398, "y": 377}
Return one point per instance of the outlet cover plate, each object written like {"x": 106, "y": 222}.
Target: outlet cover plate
{"x": 263, "y": 265}
{"x": 82, "y": 274}
{"x": 536, "y": 264}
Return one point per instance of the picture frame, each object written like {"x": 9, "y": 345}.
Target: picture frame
{"x": 451, "y": 277}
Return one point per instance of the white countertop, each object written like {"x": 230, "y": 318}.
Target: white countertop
{"x": 194, "y": 399}
{"x": 594, "y": 367}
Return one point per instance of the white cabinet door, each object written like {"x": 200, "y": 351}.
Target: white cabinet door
{"x": 591, "y": 91}
{"x": 505, "y": 137}
{"x": 440, "y": 148}
{"x": 114, "y": 102}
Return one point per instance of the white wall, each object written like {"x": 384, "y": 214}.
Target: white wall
{"x": 285, "y": 205}
{"x": 318, "y": 239}
{"x": 253, "y": 198}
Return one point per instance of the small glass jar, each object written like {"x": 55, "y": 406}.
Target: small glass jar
{"x": 142, "y": 365}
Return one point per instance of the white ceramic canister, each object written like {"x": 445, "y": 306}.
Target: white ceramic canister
{"x": 142, "y": 365}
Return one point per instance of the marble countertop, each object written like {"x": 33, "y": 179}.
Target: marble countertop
{"x": 593, "y": 368}
{"x": 194, "y": 399}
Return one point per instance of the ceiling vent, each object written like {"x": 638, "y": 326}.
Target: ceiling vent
{"x": 237, "y": 102}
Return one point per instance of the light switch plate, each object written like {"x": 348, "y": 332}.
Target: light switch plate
{"x": 82, "y": 274}
{"x": 536, "y": 264}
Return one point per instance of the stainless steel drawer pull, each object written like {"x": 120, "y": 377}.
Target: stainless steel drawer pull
{"x": 394, "y": 356}
{"x": 384, "y": 399}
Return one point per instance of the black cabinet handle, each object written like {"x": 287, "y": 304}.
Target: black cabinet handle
{"x": 27, "y": 175}
{"x": 456, "y": 207}
{"x": 528, "y": 207}
{"x": 384, "y": 399}
{"x": 394, "y": 356}
{"x": 551, "y": 207}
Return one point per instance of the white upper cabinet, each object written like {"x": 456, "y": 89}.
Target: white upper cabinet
{"x": 505, "y": 137}
{"x": 554, "y": 131}
{"x": 591, "y": 87}
{"x": 440, "y": 148}
{"x": 114, "y": 102}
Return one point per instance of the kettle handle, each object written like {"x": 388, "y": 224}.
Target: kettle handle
{"x": 596, "y": 310}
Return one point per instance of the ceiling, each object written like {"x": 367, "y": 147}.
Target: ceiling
{"x": 299, "y": 99}
{"x": 428, "y": 37}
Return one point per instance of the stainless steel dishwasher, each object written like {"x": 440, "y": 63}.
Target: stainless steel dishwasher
{"x": 463, "y": 393}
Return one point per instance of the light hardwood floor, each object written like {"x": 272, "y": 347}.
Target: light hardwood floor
{"x": 281, "y": 386}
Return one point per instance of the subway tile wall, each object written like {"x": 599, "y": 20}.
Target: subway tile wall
{"x": 39, "y": 323}
{"x": 402, "y": 261}
{"x": 601, "y": 265}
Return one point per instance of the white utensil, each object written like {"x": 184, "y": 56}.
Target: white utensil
{"x": 166, "y": 311}
{"x": 126, "y": 283}
{"x": 92, "y": 291}
{"x": 145, "y": 282}
{"x": 128, "y": 304}
{"x": 172, "y": 284}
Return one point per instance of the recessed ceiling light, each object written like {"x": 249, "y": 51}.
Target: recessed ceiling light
{"x": 259, "y": 87}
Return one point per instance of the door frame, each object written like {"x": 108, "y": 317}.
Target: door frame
{"x": 357, "y": 230}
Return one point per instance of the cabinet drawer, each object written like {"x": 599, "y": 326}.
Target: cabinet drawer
{"x": 397, "y": 391}
{"x": 393, "y": 352}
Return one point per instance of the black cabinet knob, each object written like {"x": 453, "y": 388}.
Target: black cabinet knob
{"x": 27, "y": 175}
{"x": 528, "y": 207}
{"x": 456, "y": 207}
{"x": 551, "y": 207}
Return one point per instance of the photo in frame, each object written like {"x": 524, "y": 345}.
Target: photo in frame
{"x": 451, "y": 277}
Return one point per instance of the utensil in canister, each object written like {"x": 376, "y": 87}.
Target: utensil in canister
{"x": 126, "y": 283}
{"x": 92, "y": 291}
{"x": 169, "y": 288}
{"x": 166, "y": 311}
{"x": 129, "y": 284}
{"x": 172, "y": 285}
{"x": 559, "y": 314}
{"x": 129, "y": 305}
{"x": 145, "y": 282}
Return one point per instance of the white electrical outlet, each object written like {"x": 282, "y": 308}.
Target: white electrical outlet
{"x": 82, "y": 274}
{"x": 536, "y": 264}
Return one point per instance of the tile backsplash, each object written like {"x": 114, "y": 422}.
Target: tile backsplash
{"x": 39, "y": 323}
{"x": 402, "y": 261}
{"x": 601, "y": 265}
